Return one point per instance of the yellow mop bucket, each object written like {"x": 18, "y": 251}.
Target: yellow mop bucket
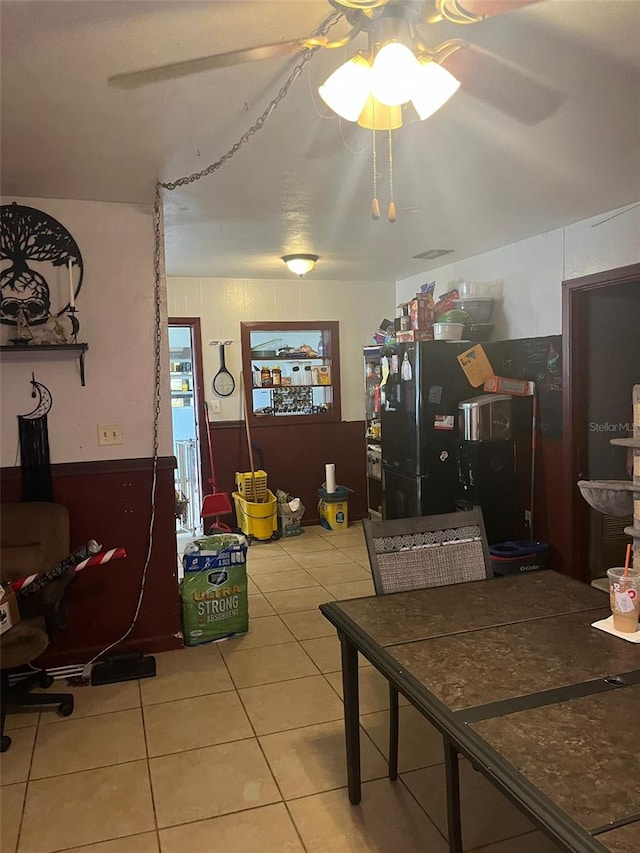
{"x": 259, "y": 520}
{"x": 333, "y": 508}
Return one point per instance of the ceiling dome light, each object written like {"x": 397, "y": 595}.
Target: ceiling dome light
{"x": 434, "y": 86}
{"x": 300, "y": 264}
{"x": 394, "y": 74}
{"x": 347, "y": 89}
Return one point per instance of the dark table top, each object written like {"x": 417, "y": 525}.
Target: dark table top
{"x": 626, "y": 839}
{"x": 510, "y": 661}
{"x": 582, "y": 754}
{"x": 440, "y": 611}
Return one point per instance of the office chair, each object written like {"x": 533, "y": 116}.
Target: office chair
{"x": 416, "y": 553}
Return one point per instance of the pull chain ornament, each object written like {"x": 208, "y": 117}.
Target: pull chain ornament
{"x": 375, "y": 204}
{"x": 391, "y": 213}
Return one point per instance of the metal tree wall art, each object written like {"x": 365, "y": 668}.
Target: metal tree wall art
{"x": 32, "y": 245}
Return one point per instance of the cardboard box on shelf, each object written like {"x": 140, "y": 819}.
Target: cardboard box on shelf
{"x": 421, "y": 311}
{"x": 9, "y": 612}
{"x": 414, "y": 335}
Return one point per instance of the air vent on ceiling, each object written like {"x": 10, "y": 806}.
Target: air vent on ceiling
{"x": 432, "y": 254}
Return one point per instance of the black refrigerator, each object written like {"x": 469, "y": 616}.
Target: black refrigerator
{"x": 420, "y": 427}
{"x": 426, "y": 466}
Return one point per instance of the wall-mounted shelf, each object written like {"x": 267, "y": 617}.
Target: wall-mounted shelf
{"x": 34, "y": 349}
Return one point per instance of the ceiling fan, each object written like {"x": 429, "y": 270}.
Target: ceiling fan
{"x": 480, "y": 72}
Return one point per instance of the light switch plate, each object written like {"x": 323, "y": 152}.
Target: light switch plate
{"x": 109, "y": 434}
{"x": 215, "y": 407}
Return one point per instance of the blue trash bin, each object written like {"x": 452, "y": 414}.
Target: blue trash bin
{"x": 519, "y": 556}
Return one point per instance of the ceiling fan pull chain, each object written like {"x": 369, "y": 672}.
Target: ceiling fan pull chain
{"x": 375, "y": 204}
{"x": 391, "y": 213}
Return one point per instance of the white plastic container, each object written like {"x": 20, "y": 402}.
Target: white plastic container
{"x": 448, "y": 331}
{"x": 482, "y": 289}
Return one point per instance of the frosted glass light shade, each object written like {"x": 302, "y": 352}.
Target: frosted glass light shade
{"x": 394, "y": 74}
{"x": 347, "y": 89}
{"x": 434, "y": 86}
{"x": 300, "y": 264}
{"x": 377, "y": 116}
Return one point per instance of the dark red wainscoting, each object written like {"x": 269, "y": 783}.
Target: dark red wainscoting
{"x": 294, "y": 458}
{"x": 110, "y": 502}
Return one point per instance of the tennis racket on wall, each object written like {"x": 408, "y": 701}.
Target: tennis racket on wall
{"x": 223, "y": 382}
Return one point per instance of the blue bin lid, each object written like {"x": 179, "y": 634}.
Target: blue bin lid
{"x": 518, "y": 548}
{"x": 341, "y": 494}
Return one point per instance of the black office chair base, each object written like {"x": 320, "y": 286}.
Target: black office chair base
{"x": 18, "y": 696}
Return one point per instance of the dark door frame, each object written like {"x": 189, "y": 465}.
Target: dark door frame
{"x": 574, "y": 408}
{"x": 201, "y": 415}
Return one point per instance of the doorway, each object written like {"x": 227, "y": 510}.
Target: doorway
{"x": 601, "y": 349}
{"x": 187, "y": 421}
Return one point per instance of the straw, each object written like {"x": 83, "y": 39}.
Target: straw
{"x": 627, "y": 560}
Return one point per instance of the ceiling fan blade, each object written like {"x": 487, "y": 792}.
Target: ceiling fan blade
{"x": 502, "y": 84}
{"x": 491, "y": 8}
{"x": 135, "y": 79}
{"x": 464, "y": 11}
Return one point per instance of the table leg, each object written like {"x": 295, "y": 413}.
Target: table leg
{"x": 453, "y": 797}
{"x": 394, "y": 726}
{"x": 351, "y": 716}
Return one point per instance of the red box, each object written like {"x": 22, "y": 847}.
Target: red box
{"x": 504, "y": 385}
{"x": 414, "y": 335}
{"x": 422, "y": 312}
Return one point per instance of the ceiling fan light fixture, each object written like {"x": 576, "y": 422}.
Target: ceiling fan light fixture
{"x": 394, "y": 74}
{"x": 435, "y": 85}
{"x": 300, "y": 264}
{"x": 377, "y": 116}
{"x": 347, "y": 89}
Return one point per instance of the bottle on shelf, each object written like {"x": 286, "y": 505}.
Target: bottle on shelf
{"x": 321, "y": 346}
{"x": 265, "y": 377}
{"x": 276, "y": 376}
{"x": 185, "y": 384}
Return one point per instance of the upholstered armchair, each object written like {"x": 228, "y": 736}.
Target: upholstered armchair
{"x": 33, "y": 538}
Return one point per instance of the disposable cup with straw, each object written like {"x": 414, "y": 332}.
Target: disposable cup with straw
{"x": 624, "y": 596}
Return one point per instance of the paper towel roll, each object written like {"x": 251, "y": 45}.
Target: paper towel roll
{"x": 330, "y": 477}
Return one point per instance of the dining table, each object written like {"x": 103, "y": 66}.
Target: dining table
{"x": 513, "y": 675}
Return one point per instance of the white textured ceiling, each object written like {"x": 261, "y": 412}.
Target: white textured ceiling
{"x": 471, "y": 178}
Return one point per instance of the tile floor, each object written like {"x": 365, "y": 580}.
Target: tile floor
{"x": 238, "y": 746}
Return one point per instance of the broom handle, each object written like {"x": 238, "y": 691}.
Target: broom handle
{"x": 248, "y": 431}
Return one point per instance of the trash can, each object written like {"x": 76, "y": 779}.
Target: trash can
{"x": 519, "y": 556}
{"x": 333, "y": 508}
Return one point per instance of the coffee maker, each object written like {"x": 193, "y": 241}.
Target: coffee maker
{"x": 487, "y": 462}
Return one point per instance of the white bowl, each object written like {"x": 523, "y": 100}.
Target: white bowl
{"x": 448, "y": 331}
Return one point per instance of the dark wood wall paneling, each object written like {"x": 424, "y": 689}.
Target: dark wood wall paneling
{"x": 110, "y": 502}
{"x": 294, "y": 458}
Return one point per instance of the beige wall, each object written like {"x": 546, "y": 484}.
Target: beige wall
{"x": 115, "y": 310}
{"x": 222, "y": 304}
{"x": 533, "y": 270}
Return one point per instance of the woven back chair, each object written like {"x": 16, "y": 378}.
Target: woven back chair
{"x": 416, "y": 553}
{"x": 434, "y": 550}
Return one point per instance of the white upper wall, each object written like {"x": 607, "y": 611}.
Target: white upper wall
{"x": 222, "y": 304}
{"x": 116, "y": 312}
{"x": 533, "y": 270}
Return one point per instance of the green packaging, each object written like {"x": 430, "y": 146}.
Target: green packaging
{"x": 214, "y": 589}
